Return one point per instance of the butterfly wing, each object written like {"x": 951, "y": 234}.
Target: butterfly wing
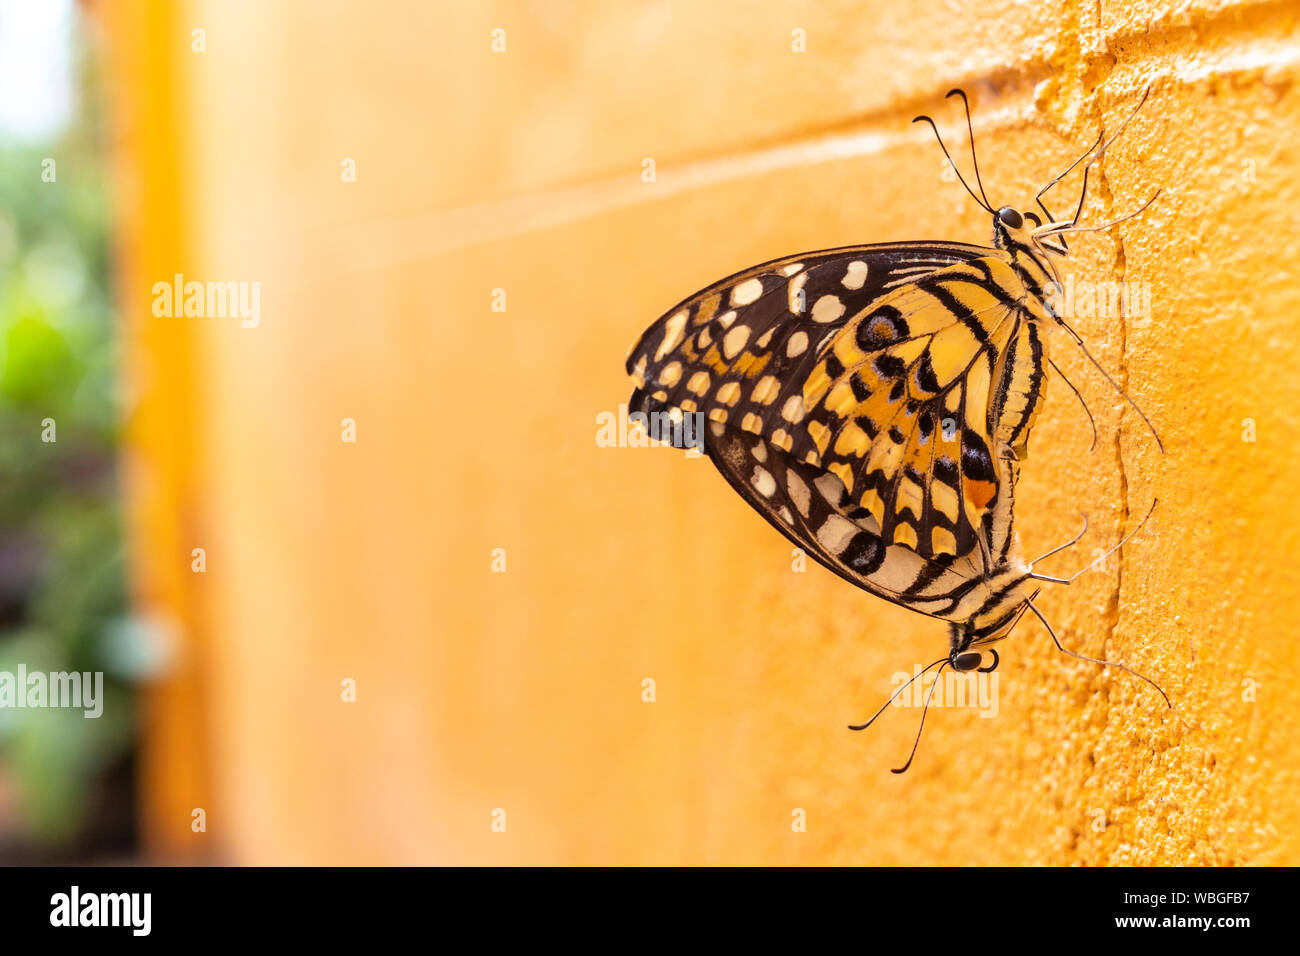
{"x": 876, "y": 364}
{"x": 908, "y": 404}
{"x": 812, "y": 508}
{"x": 813, "y": 293}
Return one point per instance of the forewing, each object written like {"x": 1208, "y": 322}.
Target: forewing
{"x": 872, "y": 363}
{"x": 769, "y": 320}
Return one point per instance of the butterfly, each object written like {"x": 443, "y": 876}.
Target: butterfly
{"x": 880, "y": 429}
{"x": 874, "y": 402}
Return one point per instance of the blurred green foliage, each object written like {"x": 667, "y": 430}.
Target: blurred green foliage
{"x": 62, "y": 590}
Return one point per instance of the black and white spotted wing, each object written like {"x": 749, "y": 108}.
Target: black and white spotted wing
{"x": 812, "y": 509}
{"x": 854, "y": 360}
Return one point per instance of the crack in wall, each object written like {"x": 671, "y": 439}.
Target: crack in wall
{"x": 1092, "y": 68}
{"x": 1086, "y": 59}
{"x": 1088, "y": 62}
{"x": 1119, "y": 269}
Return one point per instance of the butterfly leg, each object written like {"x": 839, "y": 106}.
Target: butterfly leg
{"x": 1096, "y": 151}
{"x": 1096, "y": 154}
{"x": 1065, "y": 248}
{"x": 1042, "y": 192}
{"x": 1061, "y": 547}
{"x": 1113, "y": 384}
{"x": 1086, "y": 410}
{"x": 1092, "y": 660}
{"x": 1123, "y": 541}
{"x": 1060, "y": 229}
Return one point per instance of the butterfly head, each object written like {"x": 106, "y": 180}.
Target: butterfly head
{"x": 974, "y": 661}
{"x": 1015, "y": 229}
{"x": 1024, "y": 236}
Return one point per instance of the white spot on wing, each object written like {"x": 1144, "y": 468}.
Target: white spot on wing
{"x": 830, "y": 487}
{"x": 735, "y": 340}
{"x": 793, "y": 410}
{"x": 795, "y": 294}
{"x": 827, "y": 309}
{"x": 747, "y": 292}
{"x": 835, "y": 533}
{"x": 670, "y": 373}
{"x": 763, "y": 482}
{"x": 856, "y": 275}
{"x": 799, "y": 493}
{"x": 672, "y": 333}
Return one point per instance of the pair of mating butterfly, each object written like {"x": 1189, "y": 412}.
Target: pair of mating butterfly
{"x": 874, "y": 403}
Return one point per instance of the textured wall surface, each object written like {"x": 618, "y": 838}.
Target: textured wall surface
{"x": 522, "y": 171}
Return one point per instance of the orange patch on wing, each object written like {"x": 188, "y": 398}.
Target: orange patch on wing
{"x": 980, "y": 493}
{"x": 905, "y": 535}
{"x": 750, "y": 365}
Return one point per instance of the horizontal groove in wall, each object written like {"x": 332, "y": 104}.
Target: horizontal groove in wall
{"x": 392, "y": 242}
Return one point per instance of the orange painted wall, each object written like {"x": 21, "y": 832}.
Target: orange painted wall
{"x": 476, "y": 430}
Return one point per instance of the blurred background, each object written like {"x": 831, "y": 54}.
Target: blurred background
{"x": 67, "y": 784}
{"x": 364, "y": 581}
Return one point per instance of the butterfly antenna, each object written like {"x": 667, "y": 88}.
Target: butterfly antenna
{"x": 924, "y": 710}
{"x": 970, "y": 129}
{"x": 894, "y": 697}
{"x": 1086, "y": 410}
{"x": 1093, "y": 660}
{"x": 1113, "y": 384}
{"x": 1075, "y": 576}
{"x": 960, "y": 178}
